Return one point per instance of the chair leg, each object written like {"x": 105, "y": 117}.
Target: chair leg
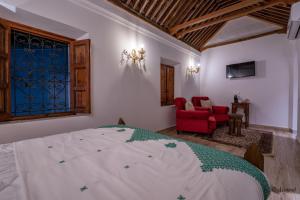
{"x": 178, "y": 132}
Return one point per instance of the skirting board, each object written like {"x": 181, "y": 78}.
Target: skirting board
{"x": 253, "y": 126}
{"x": 272, "y": 127}
{"x": 166, "y": 129}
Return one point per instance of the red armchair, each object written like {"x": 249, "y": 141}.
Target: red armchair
{"x": 193, "y": 121}
{"x": 219, "y": 112}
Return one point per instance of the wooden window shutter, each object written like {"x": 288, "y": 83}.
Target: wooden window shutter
{"x": 170, "y": 85}
{"x": 80, "y": 76}
{"x": 166, "y": 85}
{"x": 163, "y": 85}
{"x": 4, "y": 73}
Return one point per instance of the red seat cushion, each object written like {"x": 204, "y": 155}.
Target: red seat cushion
{"x": 219, "y": 112}
{"x": 190, "y": 114}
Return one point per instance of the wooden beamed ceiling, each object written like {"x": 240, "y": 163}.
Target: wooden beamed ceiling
{"x": 195, "y": 22}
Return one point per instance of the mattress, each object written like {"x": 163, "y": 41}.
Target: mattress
{"x": 119, "y": 162}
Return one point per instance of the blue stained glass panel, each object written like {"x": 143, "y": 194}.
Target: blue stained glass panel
{"x": 40, "y": 75}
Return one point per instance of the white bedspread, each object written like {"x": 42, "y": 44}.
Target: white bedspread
{"x": 98, "y": 164}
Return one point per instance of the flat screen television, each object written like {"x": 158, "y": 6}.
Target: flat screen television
{"x": 240, "y": 70}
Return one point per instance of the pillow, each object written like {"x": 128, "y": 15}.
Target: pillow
{"x": 206, "y": 104}
{"x": 189, "y": 106}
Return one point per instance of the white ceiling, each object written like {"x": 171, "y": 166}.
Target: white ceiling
{"x": 242, "y": 27}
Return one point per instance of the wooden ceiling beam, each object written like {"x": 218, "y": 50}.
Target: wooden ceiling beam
{"x": 174, "y": 13}
{"x": 192, "y": 13}
{"x": 198, "y": 36}
{"x": 208, "y": 35}
{"x": 230, "y": 17}
{"x": 275, "y": 18}
{"x": 163, "y": 11}
{"x": 215, "y": 14}
{"x": 205, "y": 8}
{"x": 244, "y": 39}
{"x": 144, "y": 6}
{"x": 267, "y": 20}
{"x": 224, "y": 3}
{"x": 157, "y": 9}
{"x": 128, "y": 2}
{"x": 169, "y": 13}
{"x": 180, "y": 12}
{"x": 136, "y": 4}
{"x": 282, "y": 9}
{"x": 276, "y": 14}
{"x": 165, "y": 14}
{"x": 263, "y": 17}
{"x": 187, "y": 10}
{"x": 214, "y": 33}
{"x": 150, "y": 8}
{"x": 204, "y": 36}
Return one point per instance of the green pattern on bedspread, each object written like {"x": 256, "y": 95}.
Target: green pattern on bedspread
{"x": 210, "y": 158}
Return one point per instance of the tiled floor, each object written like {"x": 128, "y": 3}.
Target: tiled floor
{"x": 282, "y": 169}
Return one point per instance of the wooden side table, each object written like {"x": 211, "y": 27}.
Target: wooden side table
{"x": 245, "y": 107}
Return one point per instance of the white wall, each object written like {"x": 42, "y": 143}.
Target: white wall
{"x": 117, "y": 90}
{"x": 298, "y": 100}
{"x": 270, "y": 91}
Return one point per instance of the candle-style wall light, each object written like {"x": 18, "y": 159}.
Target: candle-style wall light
{"x": 136, "y": 55}
{"x": 193, "y": 69}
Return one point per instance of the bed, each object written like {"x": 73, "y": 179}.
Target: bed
{"x": 121, "y": 162}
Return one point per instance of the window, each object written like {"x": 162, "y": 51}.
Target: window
{"x": 39, "y": 75}
{"x": 166, "y": 85}
{"x": 42, "y": 74}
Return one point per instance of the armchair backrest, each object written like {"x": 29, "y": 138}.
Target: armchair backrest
{"x": 180, "y": 103}
{"x": 197, "y": 100}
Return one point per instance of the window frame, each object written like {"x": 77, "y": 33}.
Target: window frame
{"x": 45, "y": 34}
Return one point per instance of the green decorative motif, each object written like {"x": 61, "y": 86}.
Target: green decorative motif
{"x": 170, "y": 145}
{"x": 181, "y": 197}
{"x": 83, "y": 188}
{"x": 210, "y": 158}
{"x": 214, "y": 159}
{"x": 121, "y": 130}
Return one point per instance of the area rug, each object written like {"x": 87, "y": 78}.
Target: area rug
{"x": 249, "y": 136}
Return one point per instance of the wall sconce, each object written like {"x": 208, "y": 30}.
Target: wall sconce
{"x": 134, "y": 55}
{"x": 193, "y": 69}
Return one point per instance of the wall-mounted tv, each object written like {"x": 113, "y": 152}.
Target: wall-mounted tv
{"x": 240, "y": 70}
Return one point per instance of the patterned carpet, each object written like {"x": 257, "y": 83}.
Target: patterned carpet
{"x": 249, "y": 136}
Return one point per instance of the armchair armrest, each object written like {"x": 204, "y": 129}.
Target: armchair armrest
{"x": 220, "y": 109}
{"x": 187, "y": 114}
